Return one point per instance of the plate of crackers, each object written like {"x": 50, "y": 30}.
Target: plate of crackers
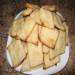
{"x": 38, "y": 42}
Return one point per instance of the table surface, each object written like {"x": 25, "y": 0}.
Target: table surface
{"x": 7, "y": 14}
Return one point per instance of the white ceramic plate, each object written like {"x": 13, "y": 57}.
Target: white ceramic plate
{"x": 54, "y": 69}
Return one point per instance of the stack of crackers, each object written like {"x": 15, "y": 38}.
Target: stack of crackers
{"x": 39, "y": 37}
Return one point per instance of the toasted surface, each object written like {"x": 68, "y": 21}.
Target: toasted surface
{"x": 59, "y": 47}
{"x": 57, "y": 21}
{"x": 27, "y": 12}
{"x": 45, "y": 49}
{"x": 48, "y": 36}
{"x": 26, "y": 28}
{"x": 36, "y": 16}
{"x": 33, "y": 37}
{"x": 17, "y": 52}
{"x": 35, "y": 54}
{"x": 46, "y": 18}
{"x": 48, "y": 63}
{"x": 25, "y": 65}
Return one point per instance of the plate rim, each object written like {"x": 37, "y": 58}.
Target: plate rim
{"x": 50, "y": 67}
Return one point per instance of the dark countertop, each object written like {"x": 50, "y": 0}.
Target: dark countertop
{"x": 7, "y": 14}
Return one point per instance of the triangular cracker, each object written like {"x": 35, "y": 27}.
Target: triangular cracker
{"x": 33, "y": 37}
{"x": 59, "y": 47}
{"x": 57, "y": 21}
{"x": 26, "y": 28}
{"x": 66, "y": 29}
{"x": 46, "y": 18}
{"x": 16, "y": 25}
{"x": 49, "y": 63}
{"x": 36, "y": 17}
{"x": 48, "y": 36}
{"x": 35, "y": 54}
{"x": 17, "y": 52}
